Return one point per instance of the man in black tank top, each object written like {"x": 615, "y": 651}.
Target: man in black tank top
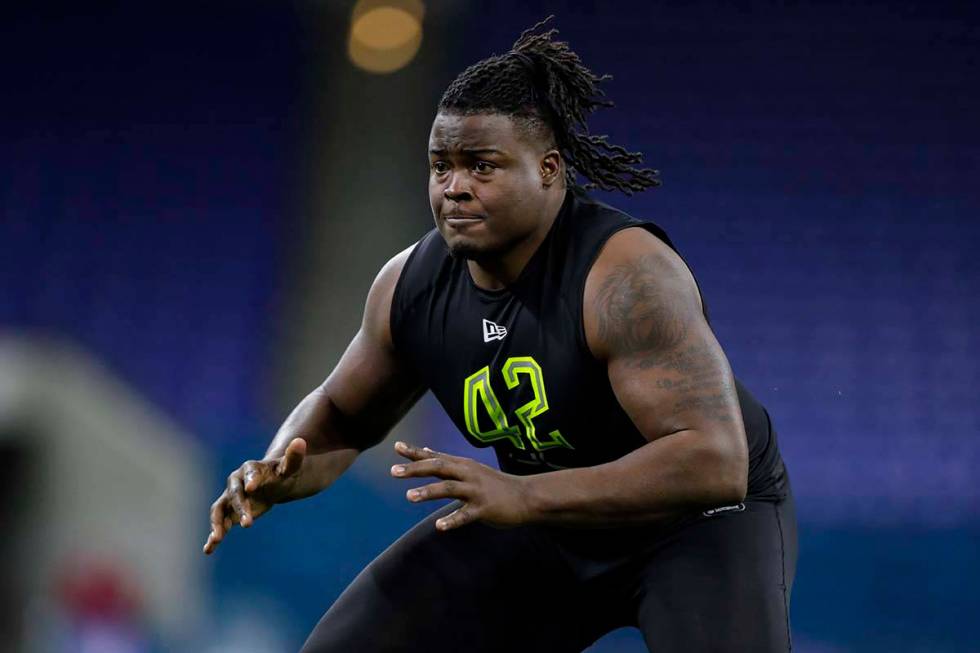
{"x": 640, "y": 482}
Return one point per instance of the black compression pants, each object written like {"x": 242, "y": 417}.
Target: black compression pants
{"x": 718, "y": 582}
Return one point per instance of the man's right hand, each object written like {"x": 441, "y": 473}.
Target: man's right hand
{"x": 253, "y": 489}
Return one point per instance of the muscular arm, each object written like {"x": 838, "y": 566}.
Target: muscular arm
{"x": 367, "y": 393}
{"x": 643, "y": 318}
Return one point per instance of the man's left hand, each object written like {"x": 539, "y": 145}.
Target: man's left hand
{"x": 488, "y": 495}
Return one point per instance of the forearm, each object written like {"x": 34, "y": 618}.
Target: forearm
{"x": 316, "y": 420}
{"x": 672, "y": 475}
{"x": 318, "y": 472}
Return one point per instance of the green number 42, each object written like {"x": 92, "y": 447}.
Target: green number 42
{"x": 477, "y": 388}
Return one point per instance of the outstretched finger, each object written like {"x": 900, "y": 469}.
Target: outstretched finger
{"x": 218, "y": 521}
{"x": 410, "y": 451}
{"x": 211, "y": 543}
{"x": 237, "y": 501}
{"x": 421, "y": 453}
{"x": 441, "y": 490}
{"x": 218, "y": 516}
{"x": 463, "y": 515}
{"x": 438, "y": 467}
{"x": 292, "y": 458}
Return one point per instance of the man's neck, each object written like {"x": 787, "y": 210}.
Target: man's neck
{"x": 496, "y": 273}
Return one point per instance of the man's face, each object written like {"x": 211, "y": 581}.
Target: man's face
{"x": 485, "y": 183}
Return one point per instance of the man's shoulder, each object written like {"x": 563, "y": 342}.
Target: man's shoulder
{"x": 632, "y": 244}
{"x": 377, "y": 308}
{"x": 589, "y": 211}
{"x": 594, "y": 223}
{"x": 634, "y": 271}
{"x": 388, "y": 276}
{"x": 430, "y": 246}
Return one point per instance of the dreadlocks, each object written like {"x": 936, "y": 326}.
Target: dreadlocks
{"x": 544, "y": 85}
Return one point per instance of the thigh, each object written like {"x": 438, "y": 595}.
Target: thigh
{"x": 722, "y": 583}
{"x": 476, "y": 588}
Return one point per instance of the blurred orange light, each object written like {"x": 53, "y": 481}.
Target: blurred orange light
{"x": 385, "y": 35}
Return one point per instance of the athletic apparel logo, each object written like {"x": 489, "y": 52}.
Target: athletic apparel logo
{"x": 493, "y": 331}
{"x": 738, "y": 507}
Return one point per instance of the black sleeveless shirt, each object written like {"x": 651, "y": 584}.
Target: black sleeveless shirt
{"x": 512, "y": 368}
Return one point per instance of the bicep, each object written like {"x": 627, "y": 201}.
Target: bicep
{"x": 667, "y": 369}
{"x": 678, "y": 386}
{"x": 372, "y": 387}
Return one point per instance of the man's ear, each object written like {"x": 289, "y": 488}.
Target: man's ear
{"x": 550, "y": 167}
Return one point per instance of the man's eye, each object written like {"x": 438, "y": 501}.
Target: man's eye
{"x": 440, "y": 167}
{"x": 483, "y": 166}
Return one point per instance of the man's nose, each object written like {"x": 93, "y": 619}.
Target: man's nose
{"x": 458, "y": 188}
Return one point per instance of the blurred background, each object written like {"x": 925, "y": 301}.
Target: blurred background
{"x": 195, "y": 198}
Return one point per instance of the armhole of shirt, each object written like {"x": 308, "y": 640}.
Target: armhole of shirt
{"x": 661, "y": 235}
{"x": 394, "y": 311}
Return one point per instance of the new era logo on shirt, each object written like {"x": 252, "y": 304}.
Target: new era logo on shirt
{"x": 493, "y": 331}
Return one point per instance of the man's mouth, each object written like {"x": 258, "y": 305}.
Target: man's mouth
{"x": 460, "y": 219}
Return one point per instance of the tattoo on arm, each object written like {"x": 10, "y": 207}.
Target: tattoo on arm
{"x": 642, "y": 321}
{"x": 634, "y": 316}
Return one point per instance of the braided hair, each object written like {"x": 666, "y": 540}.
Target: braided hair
{"x": 544, "y": 86}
